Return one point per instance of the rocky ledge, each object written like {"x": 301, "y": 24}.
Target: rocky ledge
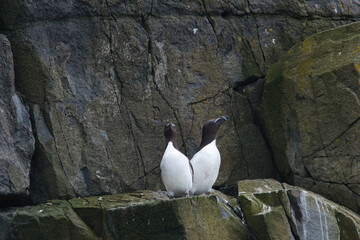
{"x": 263, "y": 209}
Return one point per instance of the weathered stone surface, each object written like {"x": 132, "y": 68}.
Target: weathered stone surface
{"x": 311, "y": 113}
{"x": 16, "y": 137}
{"x": 152, "y": 215}
{"x": 102, "y": 77}
{"x": 175, "y": 220}
{"x": 298, "y": 8}
{"x": 53, "y": 220}
{"x": 270, "y": 210}
{"x": 279, "y": 211}
{"x": 263, "y": 209}
{"x": 252, "y": 146}
{"x": 105, "y": 88}
{"x": 318, "y": 218}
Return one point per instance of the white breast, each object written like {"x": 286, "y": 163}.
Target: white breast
{"x": 175, "y": 172}
{"x": 206, "y": 164}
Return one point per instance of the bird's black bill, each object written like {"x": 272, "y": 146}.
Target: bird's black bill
{"x": 221, "y": 119}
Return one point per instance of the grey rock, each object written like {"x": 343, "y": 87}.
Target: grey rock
{"x": 136, "y": 215}
{"x": 217, "y": 7}
{"x": 311, "y": 113}
{"x": 104, "y": 90}
{"x": 313, "y": 9}
{"x": 253, "y": 91}
{"x": 52, "y": 220}
{"x": 305, "y": 9}
{"x": 263, "y": 209}
{"x": 177, "y": 7}
{"x": 102, "y": 78}
{"x": 16, "y": 140}
{"x": 280, "y": 211}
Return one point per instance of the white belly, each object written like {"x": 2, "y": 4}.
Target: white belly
{"x": 206, "y": 164}
{"x": 175, "y": 172}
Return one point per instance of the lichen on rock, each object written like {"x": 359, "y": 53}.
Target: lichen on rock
{"x": 149, "y": 214}
{"x": 279, "y": 211}
{"x": 52, "y": 220}
{"x": 311, "y": 110}
{"x": 263, "y": 209}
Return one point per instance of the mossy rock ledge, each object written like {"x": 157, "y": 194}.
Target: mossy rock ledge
{"x": 138, "y": 215}
{"x": 276, "y": 210}
{"x": 263, "y": 209}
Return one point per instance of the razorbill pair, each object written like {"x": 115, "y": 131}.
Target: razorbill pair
{"x": 182, "y": 177}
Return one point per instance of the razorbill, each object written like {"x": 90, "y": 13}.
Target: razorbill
{"x": 176, "y": 170}
{"x": 206, "y": 162}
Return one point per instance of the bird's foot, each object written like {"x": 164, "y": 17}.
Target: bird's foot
{"x": 171, "y": 195}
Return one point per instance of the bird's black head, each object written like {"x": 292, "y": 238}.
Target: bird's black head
{"x": 210, "y": 129}
{"x": 170, "y": 134}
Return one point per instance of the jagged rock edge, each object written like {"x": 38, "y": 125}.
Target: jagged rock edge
{"x": 101, "y": 216}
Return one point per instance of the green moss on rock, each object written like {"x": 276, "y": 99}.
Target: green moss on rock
{"x": 149, "y": 220}
{"x": 53, "y": 220}
{"x": 281, "y": 211}
{"x": 349, "y": 229}
{"x": 272, "y": 211}
{"x": 263, "y": 210}
{"x": 310, "y": 111}
{"x": 151, "y": 215}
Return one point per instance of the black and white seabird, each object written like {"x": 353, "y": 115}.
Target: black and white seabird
{"x": 206, "y": 162}
{"x": 176, "y": 170}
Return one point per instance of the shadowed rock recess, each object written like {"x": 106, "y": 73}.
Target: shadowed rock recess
{"x": 270, "y": 211}
{"x": 16, "y": 137}
{"x": 101, "y": 78}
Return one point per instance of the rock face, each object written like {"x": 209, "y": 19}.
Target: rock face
{"x": 271, "y": 210}
{"x": 102, "y": 77}
{"x": 53, "y": 220}
{"x": 17, "y": 140}
{"x": 102, "y": 84}
{"x": 280, "y": 211}
{"x": 139, "y": 215}
{"x": 311, "y": 112}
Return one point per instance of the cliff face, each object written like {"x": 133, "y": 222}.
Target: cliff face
{"x": 87, "y": 86}
{"x": 16, "y": 136}
{"x": 99, "y": 79}
{"x": 311, "y": 114}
